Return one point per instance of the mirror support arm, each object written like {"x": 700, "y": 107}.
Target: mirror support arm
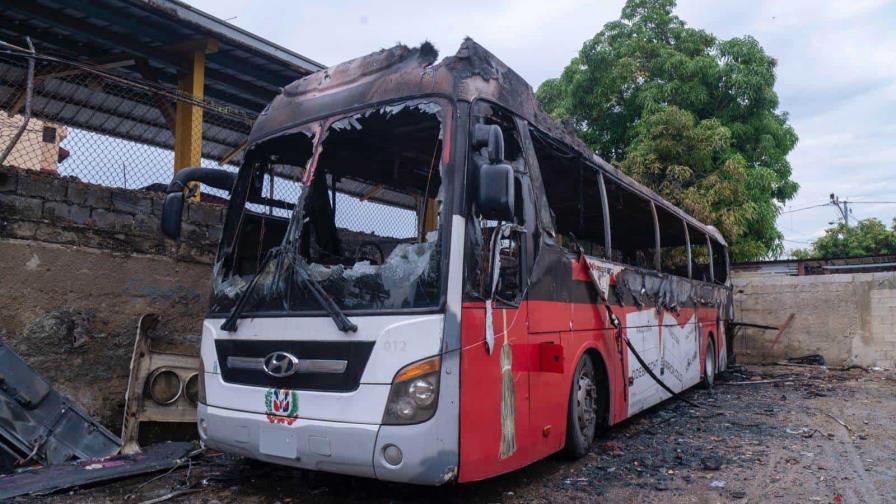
{"x": 173, "y": 207}
{"x": 213, "y": 177}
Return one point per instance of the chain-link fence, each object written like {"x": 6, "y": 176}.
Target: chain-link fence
{"x": 100, "y": 124}
{"x": 104, "y": 126}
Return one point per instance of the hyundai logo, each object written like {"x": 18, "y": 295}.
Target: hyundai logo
{"x": 281, "y": 364}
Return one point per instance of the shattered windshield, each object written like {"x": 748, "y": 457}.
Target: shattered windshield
{"x": 357, "y": 197}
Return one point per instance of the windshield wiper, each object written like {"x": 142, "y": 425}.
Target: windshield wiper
{"x": 296, "y": 265}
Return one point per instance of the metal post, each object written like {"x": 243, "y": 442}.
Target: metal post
{"x": 687, "y": 239}
{"x": 844, "y": 210}
{"x": 29, "y": 87}
{"x": 657, "y": 259}
{"x": 606, "y": 215}
{"x": 188, "y": 115}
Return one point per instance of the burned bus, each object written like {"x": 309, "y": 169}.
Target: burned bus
{"x": 424, "y": 278}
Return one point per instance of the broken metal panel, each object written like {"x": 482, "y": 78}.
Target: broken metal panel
{"x": 176, "y": 377}
{"x": 81, "y": 473}
{"x": 39, "y": 424}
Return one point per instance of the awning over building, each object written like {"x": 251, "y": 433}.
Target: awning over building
{"x": 160, "y": 44}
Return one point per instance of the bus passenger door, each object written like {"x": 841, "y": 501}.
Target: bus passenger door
{"x": 548, "y": 386}
{"x": 495, "y": 381}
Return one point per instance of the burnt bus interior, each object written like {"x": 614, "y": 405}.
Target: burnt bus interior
{"x": 375, "y": 187}
{"x": 572, "y": 187}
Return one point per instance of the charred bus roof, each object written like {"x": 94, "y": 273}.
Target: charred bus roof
{"x": 401, "y": 72}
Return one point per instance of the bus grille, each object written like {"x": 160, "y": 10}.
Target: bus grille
{"x": 353, "y": 353}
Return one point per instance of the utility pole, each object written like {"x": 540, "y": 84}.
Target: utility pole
{"x": 842, "y": 206}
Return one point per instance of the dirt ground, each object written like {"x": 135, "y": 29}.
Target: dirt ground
{"x": 779, "y": 439}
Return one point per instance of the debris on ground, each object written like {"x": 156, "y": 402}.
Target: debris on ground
{"x": 773, "y": 441}
{"x": 40, "y": 426}
{"x": 809, "y": 360}
{"x": 48, "y": 479}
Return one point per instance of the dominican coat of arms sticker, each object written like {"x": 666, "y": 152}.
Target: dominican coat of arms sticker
{"x": 281, "y": 406}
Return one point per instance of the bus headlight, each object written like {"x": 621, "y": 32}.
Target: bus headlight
{"x": 415, "y": 389}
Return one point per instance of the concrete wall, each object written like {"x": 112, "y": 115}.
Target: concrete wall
{"x": 847, "y": 318}
{"x": 79, "y": 264}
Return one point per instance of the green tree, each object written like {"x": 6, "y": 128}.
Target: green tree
{"x": 691, "y": 116}
{"x": 868, "y": 237}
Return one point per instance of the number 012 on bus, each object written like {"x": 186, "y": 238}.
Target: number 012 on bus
{"x": 424, "y": 278}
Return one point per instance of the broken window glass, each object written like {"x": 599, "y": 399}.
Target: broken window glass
{"x": 631, "y": 226}
{"x": 360, "y": 208}
{"x": 719, "y": 264}
{"x": 699, "y": 255}
{"x": 573, "y": 194}
{"x": 673, "y": 243}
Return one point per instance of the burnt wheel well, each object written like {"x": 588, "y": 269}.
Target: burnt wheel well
{"x": 711, "y": 337}
{"x": 603, "y": 389}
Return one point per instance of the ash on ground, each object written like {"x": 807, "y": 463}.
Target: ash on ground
{"x": 779, "y": 433}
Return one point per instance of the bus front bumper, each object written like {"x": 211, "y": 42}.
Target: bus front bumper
{"x": 344, "y": 448}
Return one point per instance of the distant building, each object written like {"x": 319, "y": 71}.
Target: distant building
{"x": 38, "y": 148}
{"x": 801, "y": 267}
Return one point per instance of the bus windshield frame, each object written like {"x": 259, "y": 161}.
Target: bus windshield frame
{"x": 337, "y": 195}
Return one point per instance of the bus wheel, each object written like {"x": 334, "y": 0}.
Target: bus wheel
{"x": 581, "y": 417}
{"x": 709, "y": 376}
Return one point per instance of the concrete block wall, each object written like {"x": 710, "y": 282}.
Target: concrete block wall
{"x": 63, "y": 210}
{"x": 80, "y": 263}
{"x": 848, "y": 318}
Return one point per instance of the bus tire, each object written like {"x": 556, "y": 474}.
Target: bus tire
{"x": 581, "y": 415}
{"x": 709, "y": 364}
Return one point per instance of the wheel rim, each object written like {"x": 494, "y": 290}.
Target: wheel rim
{"x": 586, "y": 397}
{"x": 710, "y": 364}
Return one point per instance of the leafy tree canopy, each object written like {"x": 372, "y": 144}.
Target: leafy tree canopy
{"x": 869, "y": 237}
{"x": 691, "y": 116}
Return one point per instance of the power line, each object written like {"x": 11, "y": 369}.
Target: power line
{"x": 805, "y": 208}
{"x": 841, "y": 201}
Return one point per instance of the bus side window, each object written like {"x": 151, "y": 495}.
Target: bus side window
{"x": 573, "y": 194}
{"x": 699, "y": 255}
{"x": 631, "y": 227}
{"x": 673, "y": 243}
{"x": 719, "y": 266}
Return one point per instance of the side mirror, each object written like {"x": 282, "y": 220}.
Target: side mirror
{"x": 495, "y": 197}
{"x": 490, "y": 137}
{"x": 173, "y": 208}
{"x": 172, "y": 211}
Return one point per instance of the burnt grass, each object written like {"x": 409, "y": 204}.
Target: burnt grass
{"x": 741, "y": 439}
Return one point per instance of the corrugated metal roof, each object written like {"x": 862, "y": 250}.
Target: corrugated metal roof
{"x": 242, "y": 76}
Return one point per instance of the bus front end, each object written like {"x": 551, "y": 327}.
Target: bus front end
{"x": 331, "y": 298}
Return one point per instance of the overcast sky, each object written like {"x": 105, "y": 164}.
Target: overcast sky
{"x": 836, "y": 68}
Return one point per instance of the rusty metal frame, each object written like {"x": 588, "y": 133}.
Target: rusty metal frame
{"x": 139, "y": 407}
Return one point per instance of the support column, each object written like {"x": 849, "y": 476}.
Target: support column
{"x": 188, "y": 117}
{"x": 432, "y": 215}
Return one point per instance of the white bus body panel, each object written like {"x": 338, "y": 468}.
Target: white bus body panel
{"x": 399, "y": 341}
{"x": 338, "y": 431}
{"x": 671, "y": 351}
